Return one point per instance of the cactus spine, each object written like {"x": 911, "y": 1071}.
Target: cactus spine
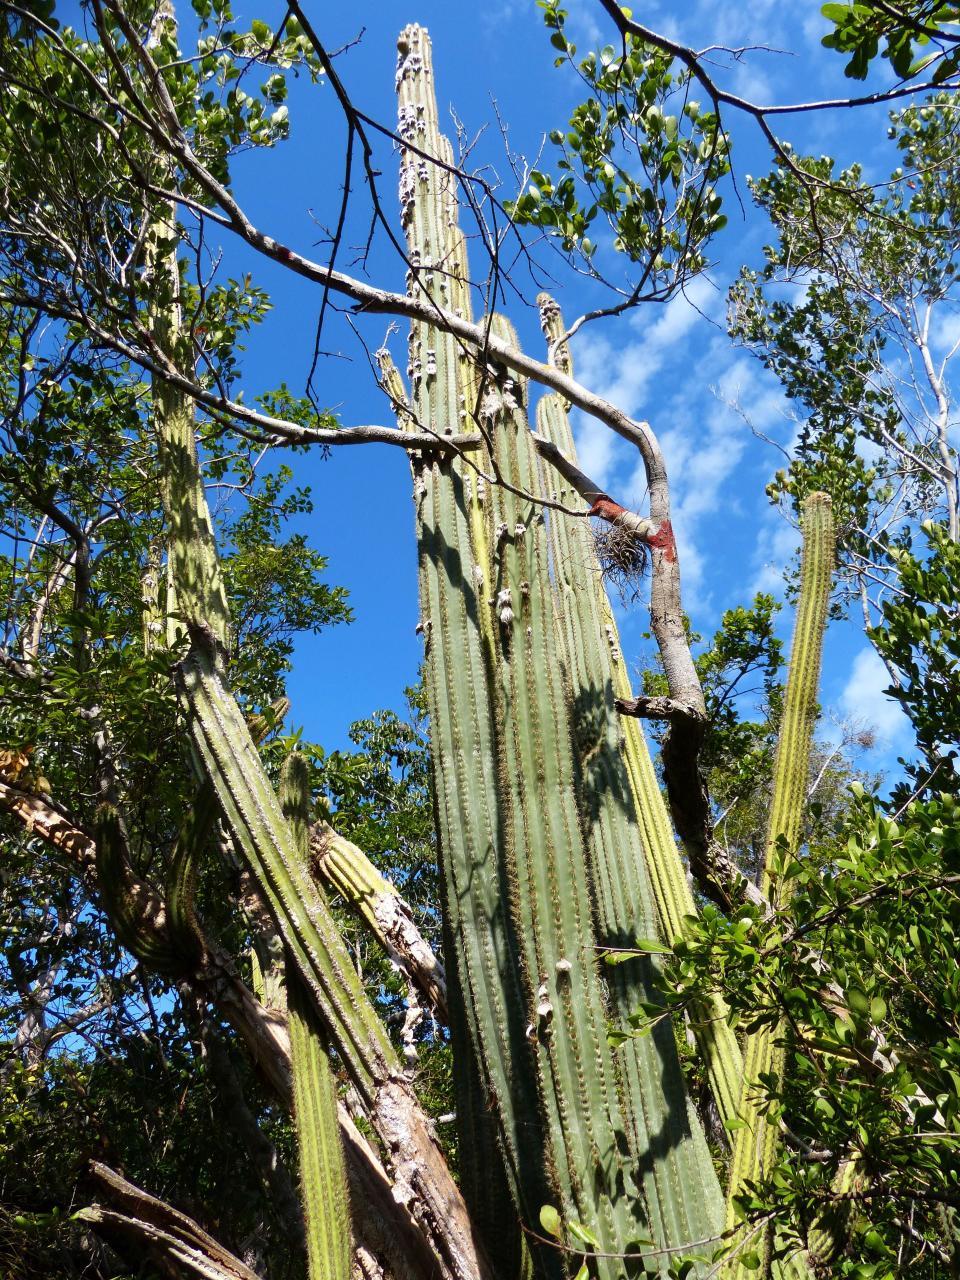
{"x": 323, "y": 1179}
{"x": 757, "y": 1142}
{"x": 573, "y": 1123}
{"x": 631, "y": 820}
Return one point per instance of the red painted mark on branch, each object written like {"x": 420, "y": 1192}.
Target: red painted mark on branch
{"x": 606, "y": 509}
{"x": 664, "y": 541}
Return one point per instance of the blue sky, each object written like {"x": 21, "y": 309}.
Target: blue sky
{"x": 671, "y": 364}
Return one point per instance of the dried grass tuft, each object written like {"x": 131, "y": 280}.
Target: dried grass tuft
{"x": 623, "y": 559}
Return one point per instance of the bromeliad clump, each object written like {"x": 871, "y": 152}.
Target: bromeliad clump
{"x": 623, "y": 559}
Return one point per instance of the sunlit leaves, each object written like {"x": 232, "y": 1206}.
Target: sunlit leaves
{"x": 861, "y": 977}
{"x": 917, "y": 38}
{"x": 639, "y": 157}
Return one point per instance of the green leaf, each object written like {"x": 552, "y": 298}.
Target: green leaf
{"x": 551, "y": 1221}
{"x": 652, "y": 946}
{"x": 583, "y": 1234}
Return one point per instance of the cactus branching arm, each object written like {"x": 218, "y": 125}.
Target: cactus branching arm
{"x": 345, "y": 868}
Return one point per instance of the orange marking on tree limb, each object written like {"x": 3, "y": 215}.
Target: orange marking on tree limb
{"x": 606, "y": 509}
{"x": 664, "y": 540}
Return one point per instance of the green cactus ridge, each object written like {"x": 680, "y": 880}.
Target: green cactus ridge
{"x": 134, "y": 909}
{"x": 348, "y": 871}
{"x": 197, "y": 592}
{"x": 594, "y": 658}
{"x": 490, "y": 1009}
{"x": 792, "y": 765}
{"x": 323, "y": 1178}
{"x": 233, "y": 778}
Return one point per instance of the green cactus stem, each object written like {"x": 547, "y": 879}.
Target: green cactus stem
{"x": 181, "y": 889}
{"x": 679, "y": 1190}
{"x": 490, "y": 1010}
{"x": 593, "y": 657}
{"x": 323, "y": 1179}
{"x": 792, "y": 767}
{"x": 225, "y": 754}
{"x": 546, "y": 857}
{"x": 136, "y": 911}
{"x": 757, "y": 1143}
{"x": 154, "y": 615}
{"x": 518, "y": 912}
{"x": 194, "y": 578}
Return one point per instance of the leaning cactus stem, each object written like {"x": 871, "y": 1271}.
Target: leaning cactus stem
{"x": 224, "y": 753}
{"x": 757, "y": 1143}
{"x": 346, "y": 869}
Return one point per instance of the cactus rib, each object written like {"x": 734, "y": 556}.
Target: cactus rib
{"x": 525, "y": 987}
{"x": 348, "y": 870}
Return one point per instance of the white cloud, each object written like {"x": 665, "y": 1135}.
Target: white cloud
{"x": 864, "y": 702}
{"x": 597, "y": 449}
{"x": 675, "y": 320}
{"x": 621, "y": 373}
{"x": 583, "y": 24}
{"x": 754, "y": 85}
{"x": 777, "y": 540}
{"x": 946, "y": 333}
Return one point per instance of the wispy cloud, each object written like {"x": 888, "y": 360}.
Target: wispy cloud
{"x": 777, "y": 540}
{"x": 676, "y": 369}
{"x": 864, "y": 702}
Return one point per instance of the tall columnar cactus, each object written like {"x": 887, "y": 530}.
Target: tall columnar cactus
{"x": 610, "y": 1143}
{"x": 226, "y": 756}
{"x": 490, "y": 1009}
{"x": 630, "y": 829}
{"x": 323, "y": 1179}
{"x": 757, "y": 1142}
{"x": 198, "y": 599}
